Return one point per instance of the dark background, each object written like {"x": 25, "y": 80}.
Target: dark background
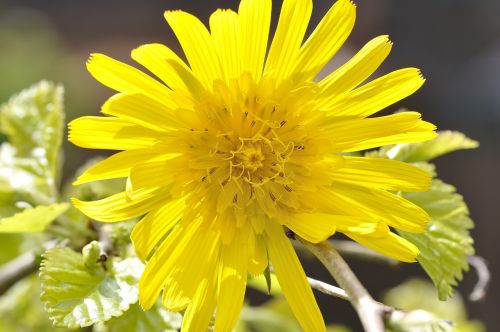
{"x": 456, "y": 43}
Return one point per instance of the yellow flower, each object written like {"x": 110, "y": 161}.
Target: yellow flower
{"x": 222, "y": 155}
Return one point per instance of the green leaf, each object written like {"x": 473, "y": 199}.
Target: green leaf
{"x": 445, "y": 142}
{"x": 137, "y": 320}
{"x": 21, "y": 309}
{"x": 29, "y": 162}
{"x": 32, "y": 220}
{"x": 79, "y": 292}
{"x": 445, "y": 245}
{"x": 424, "y": 312}
{"x": 33, "y": 122}
{"x": 417, "y": 321}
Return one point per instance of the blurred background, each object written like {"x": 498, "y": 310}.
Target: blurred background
{"x": 456, "y": 43}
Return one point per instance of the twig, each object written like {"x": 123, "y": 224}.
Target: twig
{"x": 483, "y": 277}
{"x": 20, "y": 267}
{"x": 328, "y": 289}
{"x": 370, "y": 312}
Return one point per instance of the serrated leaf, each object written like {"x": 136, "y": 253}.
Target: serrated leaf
{"x": 137, "y": 320}
{"x": 32, "y": 220}
{"x": 78, "y": 295}
{"x": 445, "y": 142}
{"x": 29, "y": 162}
{"x": 445, "y": 245}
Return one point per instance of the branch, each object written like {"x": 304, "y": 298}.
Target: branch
{"x": 370, "y": 312}
{"x": 328, "y": 289}
{"x": 352, "y": 249}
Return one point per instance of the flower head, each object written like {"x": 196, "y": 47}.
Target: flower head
{"x": 221, "y": 155}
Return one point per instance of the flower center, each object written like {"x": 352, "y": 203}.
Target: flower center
{"x": 249, "y": 145}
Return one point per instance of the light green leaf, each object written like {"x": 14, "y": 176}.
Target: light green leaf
{"x": 33, "y": 122}
{"x": 424, "y": 310}
{"x": 78, "y": 292}
{"x": 29, "y": 162}
{"x": 32, "y": 220}
{"x": 21, "y": 309}
{"x": 137, "y": 320}
{"x": 445, "y": 245}
{"x": 417, "y": 321}
{"x": 445, "y": 142}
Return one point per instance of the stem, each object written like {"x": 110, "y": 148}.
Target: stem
{"x": 370, "y": 312}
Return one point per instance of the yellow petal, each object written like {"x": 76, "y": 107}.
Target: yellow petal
{"x": 376, "y": 95}
{"x": 292, "y": 25}
{"x": 224, "y": 26}
{"x": 116, "y": 166}
{"x": 257, "y": 254}
{"x": 119, "y": 207}
{"x": 374, "y": 204}
{"x": 232, "y": 282}
{"x": 187, "y": 270}
{"x": 165, "y": 64}
{"x": 197, "y": 44}
{"x": 255, "y": 19}
{"x": 361, "y": 134}
{"x": 326, "y": 39}
{"x": 157, "y": 269}
{"x": 293, "y": 280}
{"x": 382, "y": 174}
{"x": 201, "y": 309}
{"x": 142, "y": 110}
{"x": 151, "y": 229}
{"x": 124, "y": 78}
{"x": 391, "y": 245}
{"x": 97, "y": 132}
{"x": 356, "y": 70}
{"x": 153, "y": 174}
{"x": 311, "y": 227}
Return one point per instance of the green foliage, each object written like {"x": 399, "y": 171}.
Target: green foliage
{"x": 32, "y": 121}
{"x": 417, "y": 321}
{"x": 275, "y": 315}
{"x": 425, "y": 312}
{"x": 445, "y": 245}
{"x": 445, "y": 142}
{"x": 33, "y": 219}
{"x": 79, "y": 290}
{"x": 21, "y": 309}
{"x": 137, "y": 320}
{"x": 29, "y": 163}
